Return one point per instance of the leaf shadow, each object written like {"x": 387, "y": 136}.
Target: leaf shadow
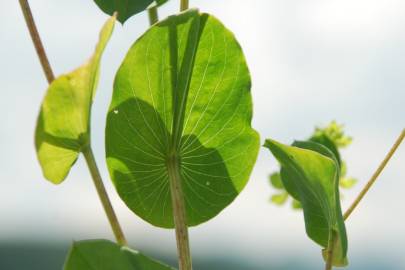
{"x": 42, "y": 136}
{"x": 138, "y": 166}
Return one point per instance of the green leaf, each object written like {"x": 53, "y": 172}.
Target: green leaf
{"x": 280, "y": 198}
{"x": 63, "y": 126}
{"x": 106, "y": 255}
{"x": 275, "y": 180}
{"x": 158, "y": 3}
{"x": 125, "y": 8}
{"x": 347, "y": 182}
{"x": 335, "y": 132}
{"x": 328, "y": 143}
{"x": 312, "y": 178}
{"x": 182, "y": 94}
{"x": 296, "y": 204}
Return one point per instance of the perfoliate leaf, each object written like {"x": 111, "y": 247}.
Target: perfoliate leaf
{"x": 63, "y": 123}
{"x": 181, "y": 95}
{"x": 106, "y": 255}
{"x": 125, "y": 8}
{"x": 310, "y": 173}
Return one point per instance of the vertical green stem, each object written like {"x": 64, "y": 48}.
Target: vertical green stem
{"x": 36, "y": 39}
{"x": 179, "y": 213}
{"x": 329, "y": 258}
{"x": 153, "y": 15}
{"x": 375, "y": 175}
{"x": 183, "y": 5}
{"x": 102, "y": 193}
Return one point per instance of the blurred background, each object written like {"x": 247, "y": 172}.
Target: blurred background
{"x": 311, "y": 61}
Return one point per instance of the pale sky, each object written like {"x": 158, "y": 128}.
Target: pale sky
{"x": 311, "y": 62}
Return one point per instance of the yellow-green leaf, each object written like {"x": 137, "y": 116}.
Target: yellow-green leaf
{"x": 63, "y": 125}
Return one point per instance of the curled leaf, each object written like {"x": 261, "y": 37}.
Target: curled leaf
{"x": 310, "y": 173}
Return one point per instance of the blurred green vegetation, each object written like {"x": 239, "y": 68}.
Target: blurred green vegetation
{"x": 51, "y": 256}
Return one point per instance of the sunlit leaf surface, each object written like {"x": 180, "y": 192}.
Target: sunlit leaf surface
{"x": 183, "y": 93}
{"x": 63, "y": 124}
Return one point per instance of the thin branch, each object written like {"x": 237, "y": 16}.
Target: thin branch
{"x": 36, "y": 39}
{"x": 183, "y": 5}
{"x": 153, "y": 15}
{"x": 102, "y": 193}
{"x": 375, "y": 175}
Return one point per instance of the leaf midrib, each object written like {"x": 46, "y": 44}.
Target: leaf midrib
{"x": 188, "y": 60}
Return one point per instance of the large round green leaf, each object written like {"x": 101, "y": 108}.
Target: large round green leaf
{"x": 63, "y": 126}
{"x": 106, "y": 255}
{"x": 183, "y": 91}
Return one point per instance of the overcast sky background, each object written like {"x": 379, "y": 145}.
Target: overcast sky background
{"x": 311, "y": 62}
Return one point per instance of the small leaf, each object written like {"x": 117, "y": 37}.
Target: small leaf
{"x": 347, "y": 182}
{"x": 63, "y": 126}
{"x": 182, "y": 95}
{"x": 106, "y": 255}
{"x": 125, "y": 8}
{"x": 275, "y": 180}
{"x": 343, "y": 169}
{"x": 296, "y": 204}
{"x": 280, "y": 198}
{"x": 312, "y": 178}
{"x": 335, "y": 132}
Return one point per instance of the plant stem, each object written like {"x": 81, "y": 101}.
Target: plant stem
{"x": 36, "y": 39}
{"x": 183, "y": 5}
{"x": 329, "y": 259}
{"x": 179, "y": 213}
{"x": 375, "y": 175}
{"x": 153, "y": 15}
{"x": 102, "y": 193}
{"x": 87, "y": 151}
